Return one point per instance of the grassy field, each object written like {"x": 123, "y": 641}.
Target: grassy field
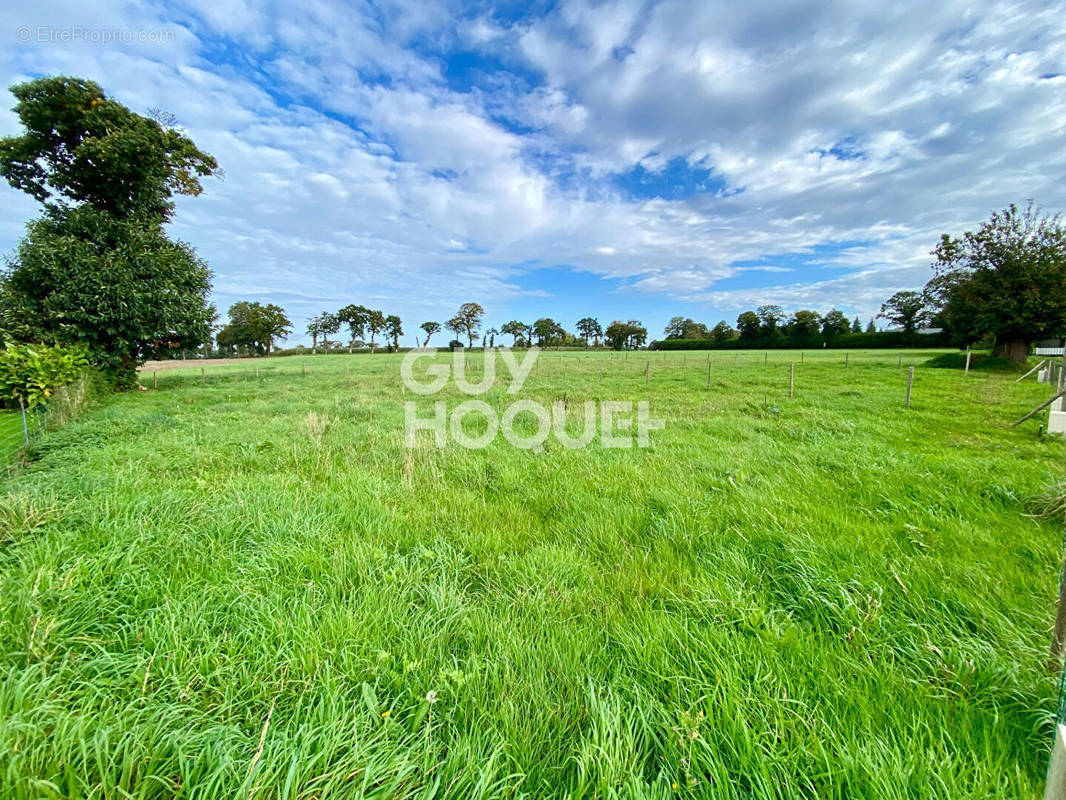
{"x": 250, "y": 587}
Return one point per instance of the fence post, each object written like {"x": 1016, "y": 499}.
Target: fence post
{"x": 708, "y": 373}
{"x": 155, "y": 379}
{"x": 968, "y": 354}
{"x": 910, "y": 382}
{"x": 203, "y": 377}
{"x": 765, "y": 356}
{"x": 846, "y": 357}
{"x": 25, "y": 430}
{"x": 899, "y": 364}
{"x": 801, "y": 356}
{"x": 791, "y": 378}
{"x": 647, "y": 366}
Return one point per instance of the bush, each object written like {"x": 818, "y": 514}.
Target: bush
{"x": 978, "y": 361}
{"x": 895, "y": 340}
{"x": 30, "y": 374}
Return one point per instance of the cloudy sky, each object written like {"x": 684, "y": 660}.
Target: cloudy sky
{"x": 617, "y": 159}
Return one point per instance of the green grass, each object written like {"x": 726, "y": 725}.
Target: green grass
{"x": 247, "y": 589}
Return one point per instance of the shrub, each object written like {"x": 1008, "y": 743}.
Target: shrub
{"x": 978, "y": 361}
{"x": 30, "y": 374}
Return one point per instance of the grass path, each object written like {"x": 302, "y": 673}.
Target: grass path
{"x": 250, "y": 587}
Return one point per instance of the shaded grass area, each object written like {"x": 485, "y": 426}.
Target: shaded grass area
{"x": 250, "y": 587}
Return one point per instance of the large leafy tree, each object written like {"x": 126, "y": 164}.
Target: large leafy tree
{"x": 355, "y": 318}
{"x": 80, "y": 147}
{"x": 909, "y": 310}
{"x": 375, "y": 324}
{"x": 467, "y": 321}
{"x": 723, "y": 332}
{"x": 589, "y": 328}
{"x": 254, "y": 325}
{"x": 547, "y": 331}
{"x": 748, "y": 324}
{"x": 97, "y": 267}
{"x": 805, "y": 325}
{"x": 1006, "y": 280}
{"x": 685, "y": 328}
{"x": 514, "y": 328}
{"x": 120, "y": 287}
{"x": 770, "y": 317}
{"x": 835, "y": 323}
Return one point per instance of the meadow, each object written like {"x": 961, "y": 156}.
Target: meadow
{"x": 246, "y": 585}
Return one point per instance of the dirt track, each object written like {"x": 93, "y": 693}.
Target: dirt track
{"x": 156, "y": 366}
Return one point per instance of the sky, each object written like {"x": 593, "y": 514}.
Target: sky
{"x": 566, "y": 159}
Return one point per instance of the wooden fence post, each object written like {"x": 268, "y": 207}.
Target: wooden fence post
{"x": 203, "y": 377}
{"x": 708, "y": 373}
{"x": 155, "y": 380}
{"x": 899, "y": 364}
{"x": 846, "y": 357}
{"x": 647, "y": 366}
{"x": 791, "y": 379}
{"x": 968, "y": 354}
{"x": 910, "y": 382}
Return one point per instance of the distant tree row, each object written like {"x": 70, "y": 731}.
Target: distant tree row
{"x": 769, "y": 325}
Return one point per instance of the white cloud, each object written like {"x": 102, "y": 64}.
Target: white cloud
{"x": 354, "y": 171}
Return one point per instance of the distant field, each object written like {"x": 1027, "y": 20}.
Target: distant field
{"x": 249, "y": 587}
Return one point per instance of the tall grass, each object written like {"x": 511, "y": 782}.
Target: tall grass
{"x": 252, "y": 588}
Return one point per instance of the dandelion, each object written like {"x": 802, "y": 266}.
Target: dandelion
{"x": 674, "y": 786}
{"x": 384, "y": 714}
{"x": 431, "y": 697}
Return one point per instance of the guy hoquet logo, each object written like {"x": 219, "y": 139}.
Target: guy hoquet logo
{"x": 612, "y": 419}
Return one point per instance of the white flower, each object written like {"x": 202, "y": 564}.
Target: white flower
{"x": 431, "y": 697}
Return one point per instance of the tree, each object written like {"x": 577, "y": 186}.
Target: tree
{"x": 1006, "y": 280}
{"x": 685, "y": 328}
{"x": 547, "y": 331}
{"x": 722, "y": 333}
{"x": 834, "y": 324}
{"x": 770, "y": 318}
{"x": 468, "y": 320}
{"x": 80, "y": 147}
{"x": 455, "y": 325}
{"x": 328, "y": 324}
{"x": 375, "y": 324}
{"x": 906, "y": 309}
{"x": 805, "y": 325}
{"x": 355, "y": 317}
{"x": 748, "y": 324}
{"x": 588, "y": 328}
{"x": 617, "y": 334}
{"x": 514, "y": 328}
{"x": 870, "y": 327}
{"x": 430, "y": 328}
{"x": 98, "y": 268}
{"x": 118, "y": 286}
{"x": 394, "y": 329}
{"x": 638, "y": 334}
{"x": 314, "y": 330}
{"x": 856, "y": 326}
{"x": 255, "y": 326}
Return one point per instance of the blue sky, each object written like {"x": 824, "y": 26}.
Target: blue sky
{"x": 617, "y": 159}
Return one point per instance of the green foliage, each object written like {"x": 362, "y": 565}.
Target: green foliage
{"x": 626, "y": 335}
{"x": 467, "y": 321}
{"x": 255, "y": 326}
{"x": 81, "y": 147}
{"x": 908, "y": 310}
{"x": 430, "y": 328}
{"x": 877, "y": 340}
{"x": 30, "y": 374}
{"x": 118, "y": 286}
{"x": 547, "y": 331}
{"x": 1007, "y": 279}
{"x": 97, "y": 269}
{"x": 978, "y": 361}
{"x": 588, "y": 328}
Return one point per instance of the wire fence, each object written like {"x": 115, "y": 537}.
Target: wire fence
{"x": 18, "y": 430}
